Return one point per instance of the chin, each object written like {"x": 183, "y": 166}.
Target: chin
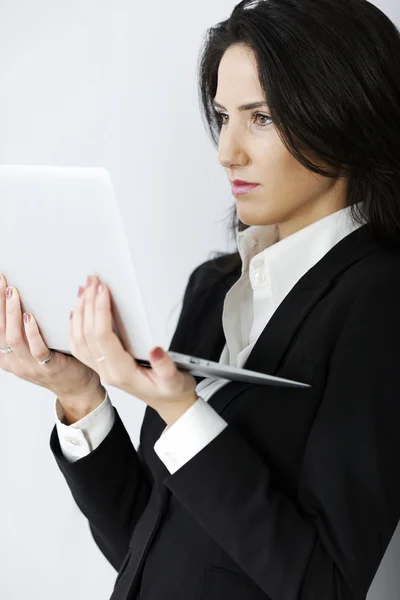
{"x": 253, "y": 219}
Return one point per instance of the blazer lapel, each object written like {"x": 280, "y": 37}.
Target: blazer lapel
{"x": 274, "y": 340}
{"x": 271, "y": 346}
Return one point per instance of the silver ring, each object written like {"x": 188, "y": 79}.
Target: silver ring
{"x": 41, "y": 362}
{"x": 100, "y": 359}
{"x": 44, "y": 362}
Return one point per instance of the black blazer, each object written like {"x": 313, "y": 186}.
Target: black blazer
{"x": 298, "y": 498}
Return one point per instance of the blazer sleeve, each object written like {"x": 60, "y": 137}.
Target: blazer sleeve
{"x": 112, "y": 485}
{"x": 326, "y": 543}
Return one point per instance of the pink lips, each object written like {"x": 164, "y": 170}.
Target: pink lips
{"x": 243, "y": 188}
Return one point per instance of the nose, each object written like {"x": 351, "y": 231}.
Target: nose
{"x": 231, "y": 151}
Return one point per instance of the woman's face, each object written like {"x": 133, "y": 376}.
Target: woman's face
{"x": 250, "y": 149}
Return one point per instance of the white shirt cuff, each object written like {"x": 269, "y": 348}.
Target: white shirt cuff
{"x": 182, "y": 440}
{"x": 84, "y": 436}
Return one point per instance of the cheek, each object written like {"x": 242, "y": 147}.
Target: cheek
{"x": 274, "y": 162}
{"x": 285, "y": 180}
{"x": 282, "y": 174}
{"x": 286, "y": 184}
{"x": 287, "y": 188}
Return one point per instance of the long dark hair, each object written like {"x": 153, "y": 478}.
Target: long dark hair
{"x": 330, "y": 73}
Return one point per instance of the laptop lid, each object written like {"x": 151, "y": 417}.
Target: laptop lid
{"x": 59, "y": 224}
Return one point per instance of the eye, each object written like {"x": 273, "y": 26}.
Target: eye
{"x": 263, "y": 124}
{"x": 220, "y": 118}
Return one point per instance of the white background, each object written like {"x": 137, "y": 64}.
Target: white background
{"x": 109, "y": 84}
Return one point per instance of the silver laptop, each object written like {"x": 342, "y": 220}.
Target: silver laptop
{"x": 58, "y": 225}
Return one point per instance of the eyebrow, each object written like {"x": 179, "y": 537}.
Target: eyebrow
{"x": 244, "y": 106}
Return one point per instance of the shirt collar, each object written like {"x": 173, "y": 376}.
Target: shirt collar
{"x": 286, "y": 261}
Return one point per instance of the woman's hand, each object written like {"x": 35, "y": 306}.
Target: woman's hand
{"x": 64, "y": 375}
{"x": 163, "y": 387}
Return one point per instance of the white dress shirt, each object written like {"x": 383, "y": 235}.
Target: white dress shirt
{"x": 270, "y": 269}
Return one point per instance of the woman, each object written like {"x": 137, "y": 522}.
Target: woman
{"x": 248, "y": 491}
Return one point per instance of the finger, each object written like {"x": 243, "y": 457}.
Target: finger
{"x": 4, "y": 357}
{"x": 107, "y": 343}
{"x": 15, "y": 334}
{"x": 78, "y": 343}
{"x": 3, "y": 285}
{"x": 89, "y": 316}
{"x": 165, "y": 370}
{"x": 119, "y": 365}
{"x": 37, "y": 347}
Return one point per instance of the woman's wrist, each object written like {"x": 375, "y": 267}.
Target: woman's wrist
{"x": 77, "y": 406}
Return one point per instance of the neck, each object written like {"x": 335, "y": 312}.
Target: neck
{"x": 304, "y": 218}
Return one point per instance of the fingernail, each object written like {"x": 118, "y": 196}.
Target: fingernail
{"x": 9, "y": 292}
{"x": 157, "y": 353}
{"x": 89, "y": 280}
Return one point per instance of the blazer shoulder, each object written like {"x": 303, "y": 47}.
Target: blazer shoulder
{"x": 379, "y": 269}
